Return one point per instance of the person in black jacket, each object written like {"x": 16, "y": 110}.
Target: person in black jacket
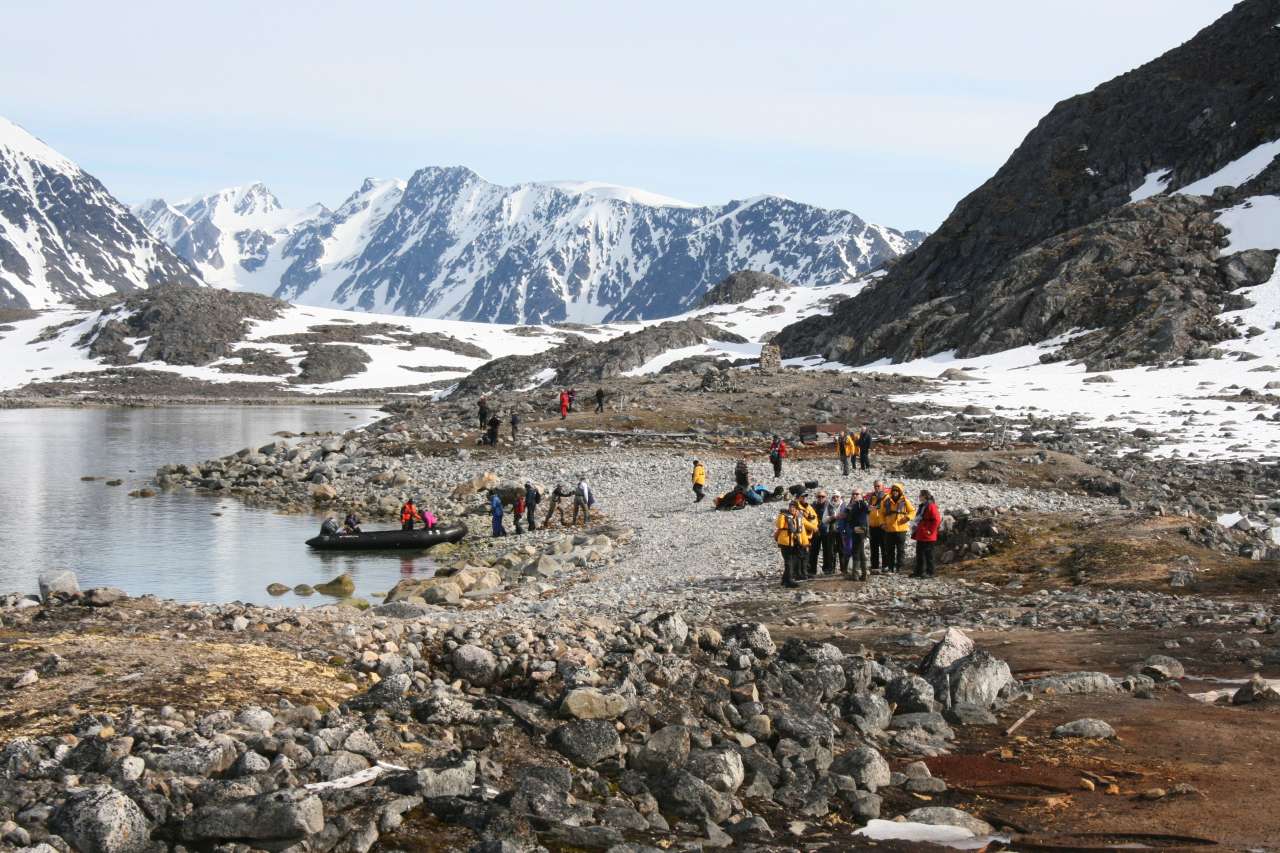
{"x": 484, "y": 412}
{"x": 864, "y": 449}
{"x": 741, "y": 476}
{"x": 491, "y": 438}
{"x": 599, "y": 400}
{"x": 857, "y": 512}
{"x": 531, "y": 499}
{"x": 515, "y": 426}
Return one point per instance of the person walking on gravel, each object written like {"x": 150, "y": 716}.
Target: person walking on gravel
{"x": 777, "y": 452}
{"x": 583, "y": 500}
{"x": 925, "y": 534}
{"x": 515, "y": 426}
{"x": 898, "y": 513}
{"x": 495, "y": 511}
{"x": 864, "y": 449}
{"x": 559, "y": 492}
{"x": 532, "y": 497}
{"x": 517, "y": 511}
{"x": 846, "y": 449}
{"x": 699, "y": 481}
{"x": 875, "y": 525}
{"x": 599, "y": 401}
{"x": 564, "y": 404}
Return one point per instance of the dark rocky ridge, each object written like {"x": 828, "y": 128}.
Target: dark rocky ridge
{"x": 739, "y": 287}
{"x": 1192, "y": 111}
{"x": 183, "y": 325}
{"x": 578, "y": 361}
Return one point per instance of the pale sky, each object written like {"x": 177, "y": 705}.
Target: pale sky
{"x": 894, "y": 109}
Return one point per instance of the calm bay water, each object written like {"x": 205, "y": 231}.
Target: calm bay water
{"x": 176, "y": 545}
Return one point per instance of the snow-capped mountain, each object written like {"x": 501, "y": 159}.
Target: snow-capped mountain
{"x": 449, "y": 244}
{"x": 64, "y": 237}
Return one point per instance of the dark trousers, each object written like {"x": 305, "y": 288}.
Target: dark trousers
{"x": 844, "y": 464}
{"x": 777, "y": 466}
{"x": 876, "y": 537}
{"x": 514, "y": 429}
{"x": 586, "y": 513}
{"x": 516, "y": 517}
{"x": 820, "y": 546}
{"x": 406, "y": 525}
{"x": 924, "y": 559}
{"x": 794, "y": 558}
{"x": 864, "y": 460}
{"x": 551, "y": 510}
{"x": 484, "y": 418}
{"x": 529, "y": 514}
{"x": 895, "y": 551}
{"x": 698, "y": 493}
{"x": 853, "y": 554}
{"x": 599, "y": 405}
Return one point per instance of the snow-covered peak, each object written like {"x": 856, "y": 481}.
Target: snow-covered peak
{"x": 630, "y": 195}
{"x": 20, "y": 143}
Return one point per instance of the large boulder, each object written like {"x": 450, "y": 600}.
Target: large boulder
{"x": 945, "y": 816}
{"x": 58, "y": 584}
{"x": 588, "y": 703}
{"x": 666, "y": 749}
{"x": 865, "y": 765}
{"x": 721, "y": 768}
{"x": 953, "y": 646}
{"x": 475, "y": 664}
{"x": 291, "y": 814}
{"x": 586, "y": 742}
{"x": 479, "y": 483}
{"x": 685, "y": 795}
{"x": 101, "y": 820}
{"x": 1085, "y": 728}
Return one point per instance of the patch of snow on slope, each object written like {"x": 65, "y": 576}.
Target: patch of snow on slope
{"x": 21, "y": 142}
{"x": 1254, "y": 224}
{"x": 1155, "y": 183}
{"x": 1237, "y": 171}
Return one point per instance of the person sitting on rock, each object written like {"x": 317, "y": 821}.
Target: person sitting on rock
{"x": 409, "y": 514}
{"x": 352, "y": 523}
{"x": 329, "y": 527}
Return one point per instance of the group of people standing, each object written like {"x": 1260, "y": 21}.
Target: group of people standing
{"x": 854, "y": 450}
{"x": 569, "y": 396}
{"x": 524, "y": 506}
{"x": 830, "y": 532}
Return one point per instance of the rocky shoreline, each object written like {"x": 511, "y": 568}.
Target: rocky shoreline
{"x": 642, "y": 682}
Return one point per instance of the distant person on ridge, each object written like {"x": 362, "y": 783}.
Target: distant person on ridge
{"x": 409, "y": 514}
{"x": 699, "y": 481}
{"x": 564, "y": 404}
{"x": 864, "y": 449}
{"x": 599, "y": 400}
{"x": 483, "y": 408}
{"x": 777, "y": 452}
{"x": 515, "y": 426}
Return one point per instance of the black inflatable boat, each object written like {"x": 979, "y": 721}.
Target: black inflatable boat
{"x": 377, "y": 540}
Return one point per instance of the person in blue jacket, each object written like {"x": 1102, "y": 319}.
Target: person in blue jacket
{"x": 495, "y": 508}
{"x": 853, "y": 532}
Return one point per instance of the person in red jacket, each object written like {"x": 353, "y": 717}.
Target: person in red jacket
{"x": 564, "y": 404}
{"x": 925, "y": 534}
{"x": 777, "y": 452}
{"x": 409, "y": 514}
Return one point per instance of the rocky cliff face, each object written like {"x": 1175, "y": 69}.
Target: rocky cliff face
{"x": 739, "y": 287}
{"x": 64, "y": 237}
{"x": 1062, "y": 237}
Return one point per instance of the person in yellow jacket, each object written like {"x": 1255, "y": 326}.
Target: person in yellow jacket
{"x": 847, "y": 449}
{"x": 699, "y": 481}
{"x": 897, "y": 513}
{"x": 875, "y": 521}
{"x": 793, "y": 530}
